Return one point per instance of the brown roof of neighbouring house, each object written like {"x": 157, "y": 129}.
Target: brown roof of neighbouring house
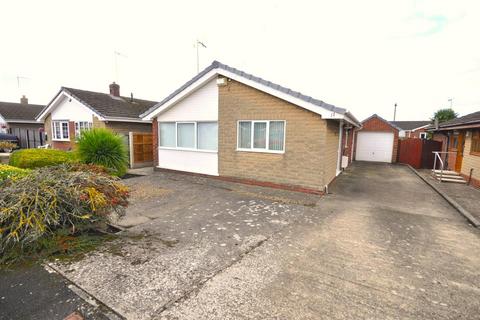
{"x": 110, "y": 106}
{"x": 410, "y": 125}
{"x": 468, "y": 119}
{"x": 18, "y": 112}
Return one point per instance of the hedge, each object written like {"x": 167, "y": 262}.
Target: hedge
{"x": 37, "y": 158}
{"x": 9, "y": 172}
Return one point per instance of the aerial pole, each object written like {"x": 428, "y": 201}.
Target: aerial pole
{"x": 394, "y": 112}
{"x": 198, "y": 55}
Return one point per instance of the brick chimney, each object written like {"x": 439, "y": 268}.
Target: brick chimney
{"x": 114, "y": 89}
{"x": 24, "y": 100}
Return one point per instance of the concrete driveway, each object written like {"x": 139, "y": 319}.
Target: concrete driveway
{"x": 382, "y": 245}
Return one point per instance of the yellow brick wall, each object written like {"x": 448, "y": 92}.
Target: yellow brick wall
{"x": 470, "y": 160}
{"x": 48, "y": 128}
{"x": 97, "y": 123}
{"x": 309, "y": 159}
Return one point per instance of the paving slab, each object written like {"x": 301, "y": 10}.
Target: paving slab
{"x": 466, "y": 196}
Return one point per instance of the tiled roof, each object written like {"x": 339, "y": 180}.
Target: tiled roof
{"x": 410, "y": 125}
{"x": 218, "y": 65}
{"x": 11, "y": 111}
{"x": 109, "y": 106}
{"x": 467, "y": 119}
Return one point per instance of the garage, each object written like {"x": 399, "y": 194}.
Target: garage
{"x": 375, "y": 146}
{"x": 376, "y": 140}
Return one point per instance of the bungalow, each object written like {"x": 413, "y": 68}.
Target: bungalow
{"x": 412, "y": 129}
{"x": 461, "y": 139}
{"x": 225, "y": 122}
{"x": 73, "y": 110}
{"x": 19, "y": 119}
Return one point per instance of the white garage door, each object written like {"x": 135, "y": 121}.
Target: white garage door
{"x": 374, "y": 146}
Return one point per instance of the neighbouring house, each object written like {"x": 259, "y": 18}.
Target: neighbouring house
{"x": 376, "y": 140}
{"x": 461, "y": 139}
{"x": 227, "y": 123}
{"x": 412, "y": 129}
{"x": 73, "y": 110}
{"x": 19, "y": 119}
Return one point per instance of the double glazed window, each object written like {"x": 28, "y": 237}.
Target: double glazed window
{"x": 60, "y": 130}
{"x": 266, "y": 136}
{"x": 81, "y": 126}
{"x": 189, "y": 135}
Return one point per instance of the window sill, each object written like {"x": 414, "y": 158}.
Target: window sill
{"x": 188, "y": 149}
{"x": 61, "y": 140}
{"x": 260, "y": 151}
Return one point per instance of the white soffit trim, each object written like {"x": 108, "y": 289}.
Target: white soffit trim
{"x": 52, "y": 105}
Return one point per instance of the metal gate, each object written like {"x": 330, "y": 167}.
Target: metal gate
{"x": 29, "y": 138}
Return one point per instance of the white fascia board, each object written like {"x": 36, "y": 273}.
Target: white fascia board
{"x": 22, "y": 121}
{"x": 421, "y": 127}
{"x": 55, "y": 102}
{"x": 138, "y": 120}
{"x": 186, "y": 92}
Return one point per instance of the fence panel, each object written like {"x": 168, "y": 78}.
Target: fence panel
{"x": 410, "y": 152}
{"x": 427, "y": 152}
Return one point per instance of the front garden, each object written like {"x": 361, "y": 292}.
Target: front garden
{"x": 55, "y": 202}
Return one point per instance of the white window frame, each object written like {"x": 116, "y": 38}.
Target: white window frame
{"x": 176, "y": 137}
{"x": 264, "y": 150}
{"x": 78, "y": 129}
{"x": 60, "y": 122}
{"x": 422, "y": 135}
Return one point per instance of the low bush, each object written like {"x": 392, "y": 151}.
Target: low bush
{"x": 65, "y": 197}
{"x": 7, "y": 146}
{"x": 105, "y": 148}
{"x": 9, "y": 172}
{"x": 38, "y": 158}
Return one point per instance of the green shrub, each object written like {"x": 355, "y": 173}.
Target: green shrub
{"x": 64, "y": 197}
{"x": 105, "y": 148}
{"x": 37, "y": 158}
{"x": 7, "y": 146}
{"x": 9, "y": 172}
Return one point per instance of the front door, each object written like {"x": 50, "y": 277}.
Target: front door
{"x": 460, "y": 145}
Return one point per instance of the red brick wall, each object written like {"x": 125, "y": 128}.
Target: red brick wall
{"x": 347, "y": 145}
{"x": 66, "y": 145}
{"x": 375, "y": 124}
{"x": 155, "y": 141}
{"x": 416, "y": 133}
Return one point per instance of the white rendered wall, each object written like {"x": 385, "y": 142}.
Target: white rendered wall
{"x": 71, "y": 111}
{"x": 202, "y": 105}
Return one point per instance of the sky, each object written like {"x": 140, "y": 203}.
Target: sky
{"x": 364, "y": 56}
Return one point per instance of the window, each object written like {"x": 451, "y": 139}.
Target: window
{"x": 189, "y": 135}
{"x": 475, "y": 146}
{"x": 266, "y": 136}
{"x": 423, "y": 135}
{"x": 186, "y": 135}
{"x": 167, "y": 134}
{"x": 60, "y": 130}
{"x": 81, "y": 126}
{"x": 207, "y": 135}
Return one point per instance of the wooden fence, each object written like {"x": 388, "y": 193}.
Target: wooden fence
{"x": 141, "y": 149}
{"x": 417, "y": 152}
